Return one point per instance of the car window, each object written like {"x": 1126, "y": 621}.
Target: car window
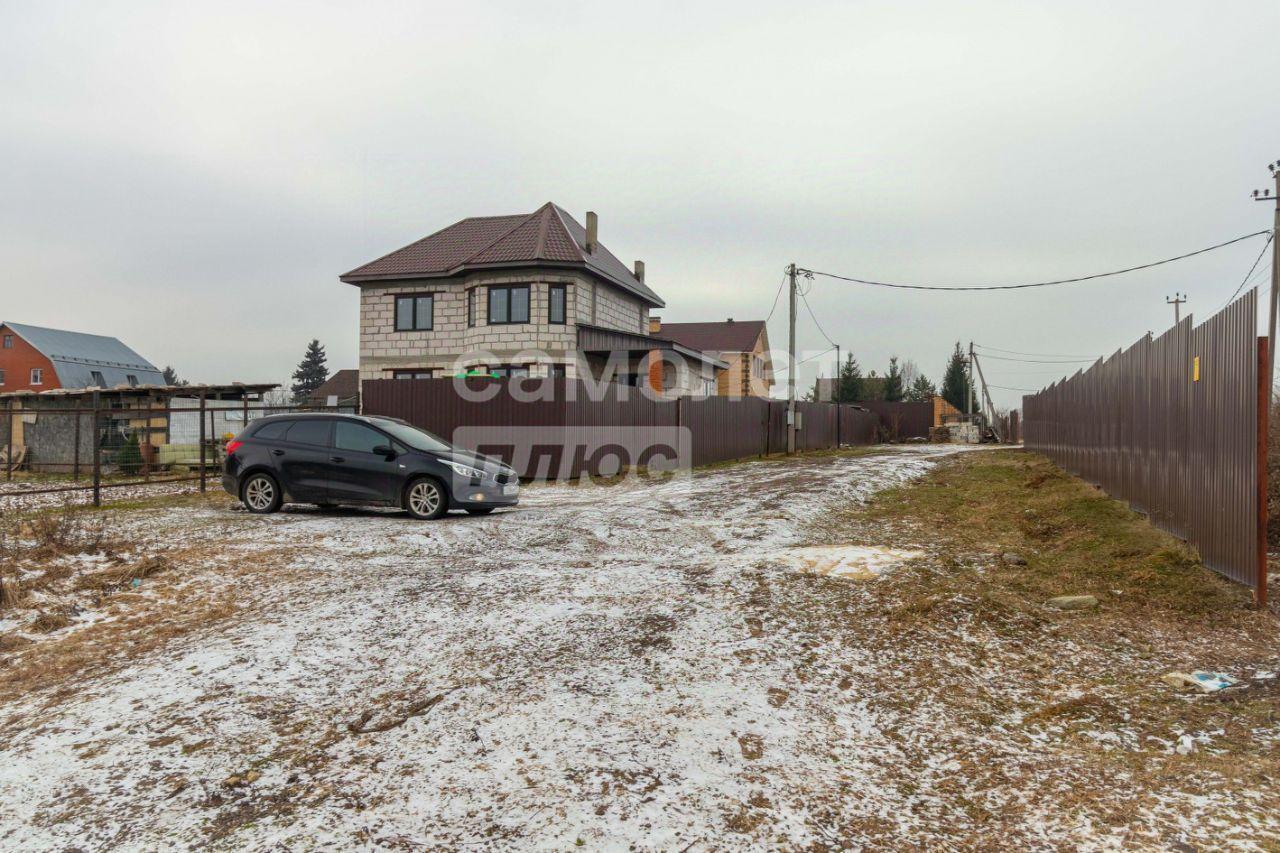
{"x": 416, "y": 438}
{"x": 353, "y": 436}
{"x": 273, "y": 431}
{"x": 310, "y": 432}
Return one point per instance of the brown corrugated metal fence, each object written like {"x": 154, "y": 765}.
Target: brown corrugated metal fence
{"x": 720, "y": 428}
{"x": 1171, "y": 426}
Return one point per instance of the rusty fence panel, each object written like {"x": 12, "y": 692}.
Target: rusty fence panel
{"x": 1171, "y": 426}
{"x": 719, "y": 428}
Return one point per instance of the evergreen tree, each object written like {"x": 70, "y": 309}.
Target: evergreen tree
{"x": 171, "y": 377}
{"x": 849, "y": 388}
{"x": 893, "y": 382}
{"x": 130, "y": 456}
{"x": 955, "y": 382}
{"x": 921, "y": 390}
{"x": 311, "y": 373}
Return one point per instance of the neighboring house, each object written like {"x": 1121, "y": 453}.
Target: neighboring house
{"x": 33, "y": 358}
{"x": 742, "y": 344}
{"x": 533, "y": 294}
{"x": 340, "y": 389}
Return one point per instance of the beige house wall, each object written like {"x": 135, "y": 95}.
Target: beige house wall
{"x": 738, "y": 380}
{"x": 453, "y": 345}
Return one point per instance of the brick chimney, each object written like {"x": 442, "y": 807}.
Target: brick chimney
{"x": 593, "y": 232}
{"x": 640, "y": 271}
{"x": 655, "y": 324}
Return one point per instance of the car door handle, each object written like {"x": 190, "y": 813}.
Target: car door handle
{"x": 277, "y": 452}
{"x": 336, "y": 459}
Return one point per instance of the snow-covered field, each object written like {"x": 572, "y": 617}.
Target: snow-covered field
{"x": 645, "y": 666}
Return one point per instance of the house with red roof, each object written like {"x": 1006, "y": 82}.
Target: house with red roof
{"x": 532, "y": 294}
{"x": 743, "y": 345}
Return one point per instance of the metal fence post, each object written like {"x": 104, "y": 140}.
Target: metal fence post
{"x": 8, "y": 456}
{"x": 203, "y": 478}
{"x": 97, "y": 451}
{"x": 1264, "y": 397}
{"x": 75, "y": 452}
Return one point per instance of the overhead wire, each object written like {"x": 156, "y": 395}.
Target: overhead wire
{"x": 1036, "y": 354}
{"x": 1042, "y": 360}
{"x": 806, "y": 360}
{"x": 1078, "y": 279}
{"x": 774, "y": 307}
{"x": 1249, "y": 274}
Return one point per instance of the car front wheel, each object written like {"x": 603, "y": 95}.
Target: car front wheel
{"x": 426, "y": 498}
{"x": 261, "y": 494}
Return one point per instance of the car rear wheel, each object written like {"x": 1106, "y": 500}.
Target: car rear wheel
{"x": 426, "y": 498}
{"x": 479, "y": 510}
{"x": 261, "y": 494}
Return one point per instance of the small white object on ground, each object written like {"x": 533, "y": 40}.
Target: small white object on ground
{"x": 1205, "y": 682}
{"x": 1186, "y": 745}
{"x": 857, "y": 562}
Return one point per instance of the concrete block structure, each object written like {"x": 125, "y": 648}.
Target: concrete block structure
{"x": 524, "y": 295}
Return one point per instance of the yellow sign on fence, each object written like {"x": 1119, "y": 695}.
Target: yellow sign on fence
{"x": 1195, "y": 370}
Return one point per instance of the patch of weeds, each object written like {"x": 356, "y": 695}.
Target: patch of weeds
{"x": 48, "y": 621}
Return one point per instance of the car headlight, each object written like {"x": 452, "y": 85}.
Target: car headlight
{"x": 466, "y": 471}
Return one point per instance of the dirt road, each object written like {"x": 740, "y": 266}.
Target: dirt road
{"x": 605, "y": 666}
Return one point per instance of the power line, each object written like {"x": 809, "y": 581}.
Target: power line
{"x": 1038, "y": 354}
{"x": 1038, "y": 283}
{"x": 781, "y": 285}
{"x": 1007, "y": 388}
{"x": 805, "y": 360}
{"x": 814, "y": 317}
{"x": 1249, "y": 274}
{"x": 1045, "y": 361}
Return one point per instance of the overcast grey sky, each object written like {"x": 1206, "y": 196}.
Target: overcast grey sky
{"x": 194, "y": 177}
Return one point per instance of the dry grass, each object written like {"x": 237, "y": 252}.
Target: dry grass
{"x": 1160, "y": 610}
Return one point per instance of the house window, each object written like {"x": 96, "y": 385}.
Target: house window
{"x": 757, "y": 367}
{"x": 8, "y": 341}
{"x": 557, "y": 371}
{"x": 97, "y": 379}
{"x": 132, "y": 380}
{"x": 555, "y": 304}
{"x": 415, "y": 312}
{"x": 416, "y": 373}
{"x": 471, "y": 307}
{"x": 1, "y": 377}
{"x": 509, "y": 370}
{"x": 509, "y": 304}
{"x": 37, "y": 376}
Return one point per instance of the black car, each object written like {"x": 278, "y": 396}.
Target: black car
{"x": 331, "y": 459}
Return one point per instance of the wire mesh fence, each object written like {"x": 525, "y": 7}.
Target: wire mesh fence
{"x": 80, "y": 447}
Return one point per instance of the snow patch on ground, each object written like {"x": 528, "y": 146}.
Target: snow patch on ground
{"x": 856, "y": 562}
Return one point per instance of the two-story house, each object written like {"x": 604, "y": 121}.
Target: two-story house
{"x": 526, "y": 295}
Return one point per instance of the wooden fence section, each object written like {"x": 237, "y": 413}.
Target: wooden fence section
{"x": 1171, "y": 425}
{"x": 719, "y": 428}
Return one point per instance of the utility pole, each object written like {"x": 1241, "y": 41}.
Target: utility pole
{"x": 1275, "y": 275}
{"x": 968, "y": 409}
{"x": 791, "y": 371}
{"x": 1176, "y": 301}
{"x": 835, "y": 395}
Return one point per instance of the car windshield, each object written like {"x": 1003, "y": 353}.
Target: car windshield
{"x": 418, "y": 439}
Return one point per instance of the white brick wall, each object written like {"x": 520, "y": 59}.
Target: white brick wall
{"x": 452, "y": 343}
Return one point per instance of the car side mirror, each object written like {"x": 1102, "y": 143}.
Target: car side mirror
{"x": 385, "y": 450}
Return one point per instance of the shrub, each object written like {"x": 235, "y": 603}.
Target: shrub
{"x": 130, "y": 457}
